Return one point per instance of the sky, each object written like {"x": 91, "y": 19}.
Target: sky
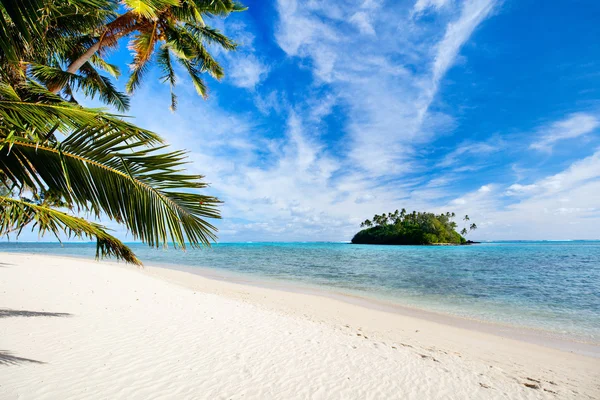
{"x": 331, "y": 112}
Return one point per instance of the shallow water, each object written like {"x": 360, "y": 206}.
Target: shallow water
{"x": 554, "y": 286}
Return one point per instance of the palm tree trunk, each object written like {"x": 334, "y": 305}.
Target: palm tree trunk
{"x": 85, "y": 57}
{"x": 78, "y": 63}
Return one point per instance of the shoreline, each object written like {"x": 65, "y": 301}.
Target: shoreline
{"x": 525, "y": 334}
{"x": 536, "y": 336}
{"x": 86, "y": 329}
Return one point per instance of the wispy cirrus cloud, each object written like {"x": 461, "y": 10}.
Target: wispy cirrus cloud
{"x": 567, "y": 200}
{"x": 372, "y": 75}
{"x": 470, "y": 149}
{"x": 573, "y": 126}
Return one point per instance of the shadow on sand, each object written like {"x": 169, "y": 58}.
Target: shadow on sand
{"x": 7, "y": 313}
{"x": 6, "y": 358}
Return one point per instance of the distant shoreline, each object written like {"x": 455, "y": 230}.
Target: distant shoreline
{"x": 467, "y": 243}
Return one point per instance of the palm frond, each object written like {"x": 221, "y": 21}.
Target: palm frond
{"x": 112, "y": 69}
{"x": 15, "y": 214}
{"x": 164, "y": 62}
{"x": 149, "y": 8}
{"x": 33, "y": 110}
{"x": 212, "y": 36}
{"x": 194, "y": 74}
{"x": 143, "y": 48}
{"x": 89, "y": 82}
{"x": 188, "y": 45}
{"x": 143, "y": 188}
{"x": 34, "y": 29}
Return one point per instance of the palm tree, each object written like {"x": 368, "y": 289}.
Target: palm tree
{"x": 167, "y": 31}
{"x": 58, "y": 159}
{"x": 104, "y": 166}
{"x": 384, "y": 219}
{"x": 464, "y": 230}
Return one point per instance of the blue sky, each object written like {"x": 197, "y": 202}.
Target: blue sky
{"x": 334, "y": 111}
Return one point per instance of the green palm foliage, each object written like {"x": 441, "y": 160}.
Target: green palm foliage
{"x": 401, "y": 227}
{"x": 36, "y": 37}
{"x": 28, "y": 109}
{"x": 59, "y": 160}
{"x": 127, "y": 181}
{"x": 105, "y": 167}
{"x": 18, "y": 213}
{"x": 165, "y": 31}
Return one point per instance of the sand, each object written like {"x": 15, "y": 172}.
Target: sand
{"x": 80, "y": 329}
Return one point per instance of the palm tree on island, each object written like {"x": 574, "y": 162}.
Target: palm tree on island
{"x": 419, "y": 228}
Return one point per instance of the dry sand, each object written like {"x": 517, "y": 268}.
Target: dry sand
{"x": 79, "y": 329}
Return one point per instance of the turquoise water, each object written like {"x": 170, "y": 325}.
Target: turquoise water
{"x": 554, "y": 286}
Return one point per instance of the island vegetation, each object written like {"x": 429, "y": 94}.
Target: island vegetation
{"x": 415, "y": 228}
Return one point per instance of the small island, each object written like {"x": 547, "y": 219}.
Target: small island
{"x": 416, "y": 228}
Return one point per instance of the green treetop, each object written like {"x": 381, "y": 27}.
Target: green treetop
{"x": 400, "y": 227}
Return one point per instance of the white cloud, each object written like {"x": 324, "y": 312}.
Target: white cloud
{"x": 422, "y": 5}
{"x": 575, "y": 125}
{"x": 388, "y": 100}
{"x": 297, "y": 28}
{"x": 470, "y": 149}
{"x": 559, "y": 206}
{"x": 518, "y": 189}
{"x": 247, "y": 71}
{"x": 472, "y": 14}
{"x": 362, "y": 21}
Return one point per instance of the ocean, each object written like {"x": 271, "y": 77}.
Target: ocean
{"x": 549, "y": 286}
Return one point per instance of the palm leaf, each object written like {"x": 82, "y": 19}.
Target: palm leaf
{"x": 31, "y": 108}
{"x": 140, "y": 187}
{"x": 149, "y": 8}
{"x": 16, "y": 214}
{"x": 164, "y": 62}
{"x": 211, "y": 35}
{"x": 143, "y": 47}
{"x": 89, "y": 82}
{"x": 194, "y": 74}
{"x": 112, "y": 69}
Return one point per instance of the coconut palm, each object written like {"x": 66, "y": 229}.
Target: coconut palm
{"x": 104, "y": 166}
{"x": 37, "y": 35}
{"x": 80, "y": 33}
{"x": 59, "y": 160}
{"x": 167, "y": 31}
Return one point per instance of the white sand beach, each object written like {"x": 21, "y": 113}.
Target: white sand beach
{"x": 80, "y": 329}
